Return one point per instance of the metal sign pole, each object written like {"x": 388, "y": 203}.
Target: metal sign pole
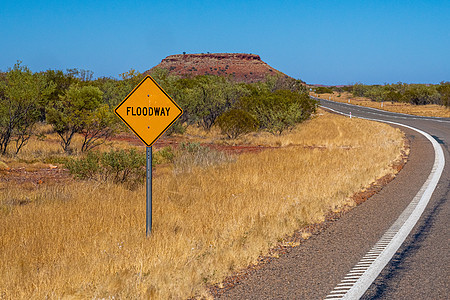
{"x": 149, "y": 192}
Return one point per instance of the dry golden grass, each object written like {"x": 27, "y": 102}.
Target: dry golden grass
{"x": 86, "y": 240}
{"x": 431, "y": 110}
{"x": 45, "y": 146}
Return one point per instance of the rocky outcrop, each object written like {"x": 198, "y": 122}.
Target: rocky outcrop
{"x": 240, "y": 66}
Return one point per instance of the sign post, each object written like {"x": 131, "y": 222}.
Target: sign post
{"x": 148, "y": 206}
{"x": 148, "y": 111}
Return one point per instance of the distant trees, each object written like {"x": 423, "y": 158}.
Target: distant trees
{"x": 416, "y": 94}
{"x": 323, "y": 90}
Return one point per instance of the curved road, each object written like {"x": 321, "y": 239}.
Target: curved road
{"x": 420, "y": 267}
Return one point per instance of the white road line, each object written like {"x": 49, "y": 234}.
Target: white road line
{"x": 387, "y": 113}
{"x": 382, "y": 252}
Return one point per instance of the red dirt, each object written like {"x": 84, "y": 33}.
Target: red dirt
{"x": 56, "y": 174}
{"x": 22, "y": 176}
{"x": 171, "y": 141}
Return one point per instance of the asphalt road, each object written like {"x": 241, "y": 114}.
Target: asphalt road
{"x": 420, "y": 267}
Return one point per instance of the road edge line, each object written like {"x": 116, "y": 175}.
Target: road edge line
{"x": 394, "y": 237}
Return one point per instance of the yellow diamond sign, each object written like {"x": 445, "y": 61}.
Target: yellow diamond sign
{"x": 148, "y": 111}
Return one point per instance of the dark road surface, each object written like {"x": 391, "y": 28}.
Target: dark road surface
{"x": 420, "y": 267}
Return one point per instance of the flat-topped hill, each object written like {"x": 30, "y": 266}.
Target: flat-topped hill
{"x": 243, "y": 67}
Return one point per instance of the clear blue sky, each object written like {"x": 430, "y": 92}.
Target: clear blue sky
{"x": 327, "y": 42}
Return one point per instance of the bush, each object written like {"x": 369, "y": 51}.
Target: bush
{"x": 444, "y": 91}
{"x": 118, "y": 166}
{"x": 359, "y": 90}
{"x": 86, "y": 167}
{"x": 165, "y": 155}
{"x": 236, "y": 122}
{"x": 280, "y": 110}
{"x": 124, "y": 166}
{"x": 420, "y": 94}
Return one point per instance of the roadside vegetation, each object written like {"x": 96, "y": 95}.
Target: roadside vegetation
{"x": 75, "y": 104}
{"x": 416, "y": 99}
{"x": 78, "y": 231}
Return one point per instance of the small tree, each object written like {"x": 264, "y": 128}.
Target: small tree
{"x": 359, "y": 90}
{"x": 98, "y": 127}
{"x": 71, "y": 113}
{"x": 236, "y": 122}
{"x": 21, "y": 93}
{"x": 377, "y": 93}
{"x": 444, "y": 91}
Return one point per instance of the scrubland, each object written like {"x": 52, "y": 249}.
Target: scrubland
{"x": 429, "y": 110}
{"x": 85, "y": 239}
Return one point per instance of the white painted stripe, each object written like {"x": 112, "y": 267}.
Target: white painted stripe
{"x": 386, "y": 113}
{"x": 403, "y": 225}
{"x": 367, "y": 260}
{"x": 341, "y": 288}
{"x": 352, "y": 277}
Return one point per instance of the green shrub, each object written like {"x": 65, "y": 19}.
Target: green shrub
{"x": 359, "y": 89}
{"x": 444, "y": 91}
{"x": 124, "y": 166}
{"x": 165, "y": 155}
{"x": 280, "y": 110}
{"x": 118, "y": 166}
{"x": 236, "y": 122}
{"x": 86, "y": 167}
